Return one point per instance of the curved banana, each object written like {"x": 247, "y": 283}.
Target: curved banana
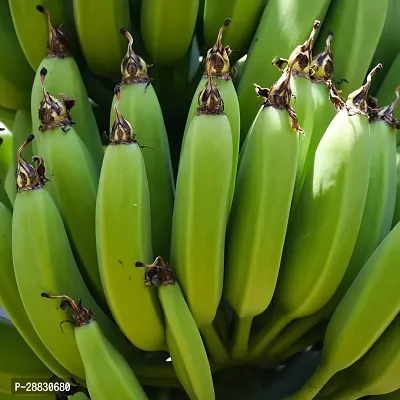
{"x": 278, "y": 32}
{"x": 17, "y": 359}
{"x": 98, "y": 26}
{"x": 222, "y": 74}
{"x": 64, "y": 77}
{"x": 364, "y": 309}
{"x": 245, "y": 18}
{"x": 74, "y": 182}
{"x": 396, "y": 215}
{"x": 108, "y": 375}
{"x": 323, "y": 228}
{"x": 140, "y": 106}
{"x": 124, "y": 237}
{"x": 185, "y": 345}
{"x": 11, "y": 302}
{"x": 356, "y": 38}
{"x": 16, "y": 76}
{"x": 254, "y": 247}
{"x": 43, "y": 262}
{"x": 201, "y": 209}
{"x": 167, "y": 33}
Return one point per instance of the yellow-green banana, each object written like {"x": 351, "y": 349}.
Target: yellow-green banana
{"x": 367, "y": 309}
{"x": 108, "y": 375}
{"x": 63, "y": 77}
{"x": 324, "y": 226}
{"x": 43, "y": 262}
{"x": 201, "y": 210}
{"x": 124, "y": 237}
{"x": 185, "y": 346}
{"x": 140, "y": 106}
{"x": 167, "y": 33}
{"x": 255, "y": 237}
{"x": 98, "y": 26}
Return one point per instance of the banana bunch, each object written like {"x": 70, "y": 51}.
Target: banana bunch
{"x": 199, "y": 199}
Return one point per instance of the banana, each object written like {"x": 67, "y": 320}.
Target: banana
{"x": 221, "y": 72}
{"x": 396, "y": 215}
{"x": 26, "y": 20}
{"x": 16, "y": 76}
{"x": 364, "y": 309}
{"x": 64, "y": 77}
{"x": 167, "y": 33}
{"x": 201, "y": 211}
{"x": 140, "y": 106}
{"x": 74, "y": 182}
{"x": 357, "y": 26}
{"x": 12, "y": 303}
{"x": 186, "y": 348}
{"x": 124, "y": 237}
{"x": 323, "y": 229}
{"x": 108, "y": 375}
{"x": 278, "y": 32}
{"x": 6, "y": 170}
{"x": 43, "y": 262}
{"x": 390, "y": 396}
{"x": 98, "y": 31}
{"x": 17, "y": 359}
{"x": 378, "y": 371}
{"x": 245, "y": 17}
{"x": 254, "y": 247}
{"x": 4, "y": 198}
{"x": 7, "y": 117}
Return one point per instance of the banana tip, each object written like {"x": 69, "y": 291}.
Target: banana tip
{"x": 40, "y": 8}
{"x": 45, "y": 295}
{"x": 227, "y": 21}
{"x": 123, "y": 30}
{"x": 138, "y": 264}
{"x": 43, "y": 71}
{"x": 30, "y": 138}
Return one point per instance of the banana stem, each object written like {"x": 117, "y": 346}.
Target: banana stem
{"x": 215, "y": 347}
{"x": 241, "y": 335}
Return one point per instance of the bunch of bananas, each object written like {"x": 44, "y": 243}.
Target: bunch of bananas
{"x": 236, "y": 233}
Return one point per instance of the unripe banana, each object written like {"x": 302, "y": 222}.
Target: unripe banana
{"x": 396, "y": 215}
{"x": 97, "y": 25}
{"x": 222, "y": 73}
{"x": 324, "y": 226}
{"x": 4, "y": 197}
{"x": 64, "y": 77}
{"x": 254, "y": 247}
{"x": 108, "y": 375}
{"x": 140, "y": 106}
{"x": 43, "y": 262}
{"x": 7, "y": 117}
{"x": 369, "y": 306}
{"x": 201, "y": 209}
{"x": 186, "y": 348}
{"x": 124, "y": 237}
{"x": 6, "y": 170}
{"x": 167, "y": 33}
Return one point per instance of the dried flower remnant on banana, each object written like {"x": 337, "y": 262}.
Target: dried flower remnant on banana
{"x": 158, "y": 273}
{"x": 210, "y": 100}
{"x": 133, "y": 67}
{"x": 54, "y": 113}
{"x": 322, "y": 68}
{"x": 29, "y": 177}
{"x": 57, "y": 44}
{"x": 221, "y": 66}
{"x": 376, "y": 113}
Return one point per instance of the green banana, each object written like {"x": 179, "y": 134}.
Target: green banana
{"x": 396, "y": 215}
{"x": 17, "y": 359}
{"x": 221, "y": 72}
{"x": 140, "y": 106}
{"x": 11, "y": 301}
{"x": 124, "y": 237}
{"x": 7, "y": 117}
{"x": 378, "y": 371}
{"x": 167, "y": 33}
{"x": 390, "y": 396}
{"x": 16, "y": 76}
{"x": 74, "y": 182}
{"x": 324, "y": 226}
{"x": 200, "y": 216}
{"x": 357, "y": 26}
{"x": 64, "y": 77}
{"x": 364, "y": 309}
{"x": 43, "y": 262}
{"x": 245, "y": 17}
{"x": 186, "y": 348}
{"x": 6, "y": 170}
{"x": 286, "y": 27}
{"x": 4, "y": 199}
{"x": 98, "y": 26}
{"x": 254, "y": 247}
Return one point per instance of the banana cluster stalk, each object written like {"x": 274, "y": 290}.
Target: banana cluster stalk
{"x": 124, "y": 237}
{"x": 108, "y": 375}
